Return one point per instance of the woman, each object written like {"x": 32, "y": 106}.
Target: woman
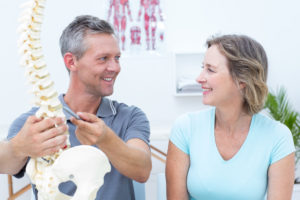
{"x": 231, "y": 151}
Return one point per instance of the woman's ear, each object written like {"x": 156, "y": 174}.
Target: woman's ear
{"x": 70, "y": 61}
{"x": 242, "y": 85}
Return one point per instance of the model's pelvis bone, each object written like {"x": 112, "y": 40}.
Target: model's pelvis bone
{"x": 84, "y": 165}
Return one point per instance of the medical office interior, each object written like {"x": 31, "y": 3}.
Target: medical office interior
{"x": 159, "y": 78}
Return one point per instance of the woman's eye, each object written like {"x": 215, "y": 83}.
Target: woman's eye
{"x": 210, "y": 70}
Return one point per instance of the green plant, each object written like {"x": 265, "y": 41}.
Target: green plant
{"x": 280, "y": 109}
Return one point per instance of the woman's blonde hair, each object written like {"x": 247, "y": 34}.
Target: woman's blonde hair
{"x": 248, "y": 64}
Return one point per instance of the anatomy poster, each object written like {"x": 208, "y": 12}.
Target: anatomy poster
{"x": 139, "y": 24}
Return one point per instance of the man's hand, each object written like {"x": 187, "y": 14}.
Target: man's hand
{"x": 91, "y": 130}
{"x": 132, "y": 159}
{"x": 40, "y": 137}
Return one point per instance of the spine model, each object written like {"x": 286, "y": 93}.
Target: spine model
{"x": 46, "y": 97}
{"x": 68, "y": 164}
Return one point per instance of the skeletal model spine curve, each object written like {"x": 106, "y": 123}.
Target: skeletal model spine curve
{"x": 32, "y": 59}
{"x": 70, "y": 163}
{"x": 46, "y": 97}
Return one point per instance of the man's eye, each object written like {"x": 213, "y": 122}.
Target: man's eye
{"x": 117, "y": 58}
{"x": 103, "y": 58}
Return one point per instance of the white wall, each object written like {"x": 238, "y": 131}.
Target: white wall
{"x": 274, "y": 23}
{"x": 146, "y": 80}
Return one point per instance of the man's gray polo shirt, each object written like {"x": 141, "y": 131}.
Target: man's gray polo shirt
{"x": 126, "y": 121}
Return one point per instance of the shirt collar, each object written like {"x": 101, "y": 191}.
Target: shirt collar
{"x": 105, "y": 109}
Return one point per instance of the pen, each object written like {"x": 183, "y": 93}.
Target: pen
{"x": 68, "y": 110}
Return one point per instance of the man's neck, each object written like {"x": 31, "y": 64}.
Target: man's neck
{"x": 82, "y": 102}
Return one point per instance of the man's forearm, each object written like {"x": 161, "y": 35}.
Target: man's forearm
{"x": 10, "y": 163}
{"x": 127, "y": 158}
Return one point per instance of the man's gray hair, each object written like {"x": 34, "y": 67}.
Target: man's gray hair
{"x": 72, "y": 38}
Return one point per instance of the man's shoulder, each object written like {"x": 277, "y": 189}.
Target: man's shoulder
{"x": 125, "y": 108}
{"x": 129, "y": 114}
{"x": 18, "y": 123}
{"x": 25, "y": 115}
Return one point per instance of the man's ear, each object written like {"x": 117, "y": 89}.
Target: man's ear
{"x": 70, "y": 61}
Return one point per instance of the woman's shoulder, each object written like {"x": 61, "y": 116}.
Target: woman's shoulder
{"x": 269, "y": 125}
{"x": 199, "y": 114}
{"x": 199, "y": 118}
{"x": 275, "y": 136}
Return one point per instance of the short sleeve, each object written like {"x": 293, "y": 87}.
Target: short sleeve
{"x": 284, "y": 145}
{"x": 180, "y": 133}
{"x": 138, "y": 126}
{"x": 18, "y": 123}
{"x": 15, "y": 127}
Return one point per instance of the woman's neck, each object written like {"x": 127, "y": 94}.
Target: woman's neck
{"x": 232, "y": 119}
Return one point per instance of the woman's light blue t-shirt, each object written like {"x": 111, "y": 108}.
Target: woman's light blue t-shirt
{"x": 244, "y": 176}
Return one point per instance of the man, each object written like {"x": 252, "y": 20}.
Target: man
{"x": 91, "y": 55}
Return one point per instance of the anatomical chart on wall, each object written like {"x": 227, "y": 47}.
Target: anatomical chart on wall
{"x": 139, "y": 24}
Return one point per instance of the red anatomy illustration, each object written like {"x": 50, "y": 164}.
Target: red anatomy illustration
{"x": 119, "y": 18}
{"x": 135, "y": 35}
{"x": 150, "y": 21}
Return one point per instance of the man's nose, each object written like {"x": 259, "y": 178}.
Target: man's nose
{"x": 113, "y": 65}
